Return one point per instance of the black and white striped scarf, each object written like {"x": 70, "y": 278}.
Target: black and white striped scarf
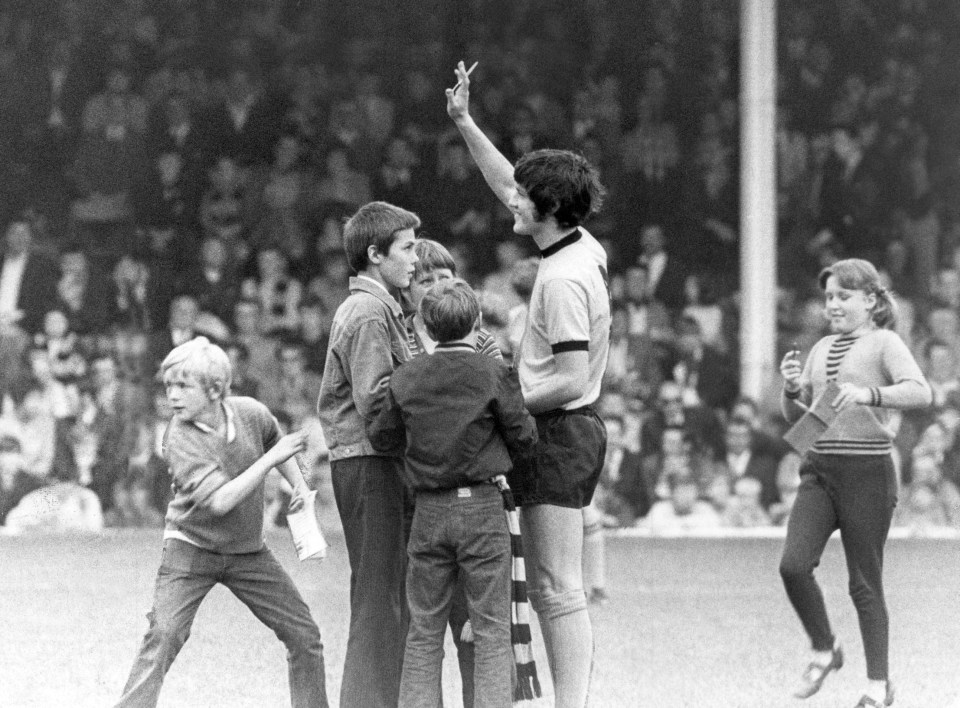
{"x": 528, "y": 685}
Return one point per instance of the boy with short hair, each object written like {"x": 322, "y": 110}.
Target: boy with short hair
{"x": 459, "y": 416}
{"x": 220, "y": 449}
{"x": 368, "y": 340}
{"x": 435, "y": 263}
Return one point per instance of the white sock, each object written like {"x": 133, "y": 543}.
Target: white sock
{"x": 877, "y": 690}
{"x": 822, "y": 658}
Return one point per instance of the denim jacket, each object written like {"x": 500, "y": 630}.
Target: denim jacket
{"x": 368, "y": 340}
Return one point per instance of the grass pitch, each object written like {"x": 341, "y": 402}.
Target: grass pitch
{"x": 692, "y": 622}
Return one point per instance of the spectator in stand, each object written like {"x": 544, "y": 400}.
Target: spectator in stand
{"x": 849, "y": 192}
{"x": 941, "y": 371}
{"x": 744, "y": 509}
{"x": 930, "y": 500}
{"x": 111, "y": 159}
{"x": 213, "y": 280}
{"x": 941, "y": 323}
{"x": 132, "y": 503}
{"x": 702, "y": 305}
{"x": 226, "y": 206}
{"x": 346, "y": 133}
{"x": 400, "y": 178}
{"x": 295, "y": 391}
{"x": 32, "y": 423}
{"x": 15, "y": 479}
{"x": 278, "y": 292}
{"x": 82, "y": 291}
{"x": 314, "y": 332}
{"x": 248, "y": 331}
{"x": 176, "y": 128}
{"x": 341, "y": 183}
{"x": 682, "y": 511}
{"x": 168, "y": 192}
{"x": 60, "y": 506}
{"x": 286, "y": 191}
{"x": 512, "y": 275}
{"x": 705, "y": 373}
{"x": 622, "y": 495}
{"x": 788, "y": 482}
{"x": 243, "y": 383}
{"x": 65, "y": 356}
{"x": 376, "y": 108}
{"x": 464, "y": 204}
{"x": 52, "y": 94}
{"x": 146, "y": 458}
{"x": 665, "y": 273}
{"x": 61, "y": 398}
{"x": 131, "y": 292}
{"x": 523, "y": 273}
{"x": 648, "y": 317}
{"x": 181, "y": 327}
{"x": 27, "y": 281}
{"x": 111, "y": 412}
{"x": 246, "y": 117}
{"x": 698, "y": 422}
{"x": 746, "y": 458}
{"x": 710, "y": 234}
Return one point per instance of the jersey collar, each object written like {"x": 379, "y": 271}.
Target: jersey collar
{"x": 562, "y": 243}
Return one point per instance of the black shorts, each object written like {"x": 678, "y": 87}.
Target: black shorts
{"x": 567, "y": 461}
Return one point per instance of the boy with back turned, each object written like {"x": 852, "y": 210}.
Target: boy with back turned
{"x": 459, "y": 416}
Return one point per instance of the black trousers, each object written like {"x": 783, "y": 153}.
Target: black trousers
{"x": 856, "y": 494}
{"x": 375, "y": 511}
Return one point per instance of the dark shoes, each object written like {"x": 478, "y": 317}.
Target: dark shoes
{"x": 813, "y": 677}
{"x": 867, "y": 702}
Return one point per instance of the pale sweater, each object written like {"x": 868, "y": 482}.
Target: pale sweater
{"x": 879, "y": 359}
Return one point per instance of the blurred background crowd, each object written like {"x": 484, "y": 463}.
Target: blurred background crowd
{"x": 181, "y": 167}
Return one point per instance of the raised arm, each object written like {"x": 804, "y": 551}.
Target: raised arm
{"x": 496, "y": 169}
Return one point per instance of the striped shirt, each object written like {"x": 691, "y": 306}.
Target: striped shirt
{"x": 486, "y": 342}
{"x": 876, "y": 359}
{"x": 838, "y": 349}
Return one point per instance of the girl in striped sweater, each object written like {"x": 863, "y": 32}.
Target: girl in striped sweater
{"x": 848, "y": 478}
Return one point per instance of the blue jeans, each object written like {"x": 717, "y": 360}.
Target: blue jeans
{"x": 459, "y": 533}
{"x": 186, "y": 575}
{"x": 374, "y": 510}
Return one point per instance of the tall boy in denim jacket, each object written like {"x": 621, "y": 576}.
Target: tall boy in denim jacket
{"x": 368, "y": 340}
{"x": 459, "y": 415}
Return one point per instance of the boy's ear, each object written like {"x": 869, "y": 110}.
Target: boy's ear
{"x": 374, "y": 255}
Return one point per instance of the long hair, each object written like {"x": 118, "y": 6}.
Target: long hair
{"x": 561, "y": 183}
{"x": 858, "y": 274}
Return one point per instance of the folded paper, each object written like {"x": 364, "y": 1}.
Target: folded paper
{"x": 812, "y": 424}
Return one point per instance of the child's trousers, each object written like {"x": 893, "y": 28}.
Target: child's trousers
{"x": 463, "y": 531}
{"x": 186, "y": 575}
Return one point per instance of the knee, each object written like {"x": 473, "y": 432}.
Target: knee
{"x": 304, "y": 640}
{"x": 167, "y": 632}
{"x": 550, "y": 604}
{"x": 863, "y": 594}
{"x": 793, "y": 569}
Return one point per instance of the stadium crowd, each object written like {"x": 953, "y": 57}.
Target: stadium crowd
{"x": 183, "y": 167}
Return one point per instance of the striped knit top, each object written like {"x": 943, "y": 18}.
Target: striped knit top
{"x": 486, "y": 342}
{"x": 878, "y": 358}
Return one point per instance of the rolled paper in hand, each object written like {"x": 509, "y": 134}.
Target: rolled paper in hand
{"x": 305, "y": 529}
